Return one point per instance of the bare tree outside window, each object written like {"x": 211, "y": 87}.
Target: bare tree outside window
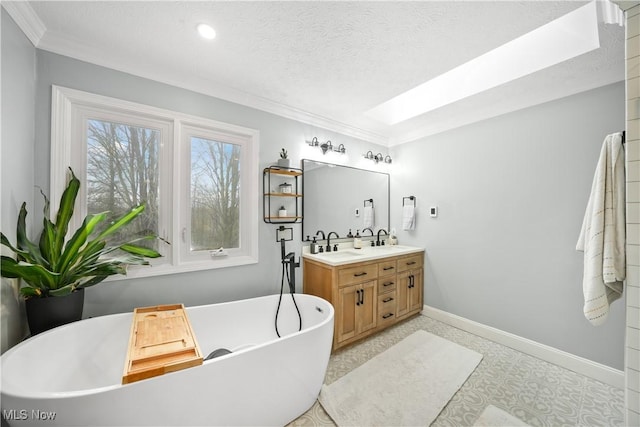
{"x": 215, "y": 194}
{"x": 122, "y": 172}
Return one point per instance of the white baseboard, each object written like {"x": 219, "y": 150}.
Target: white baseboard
{"x": 569, "y": 361}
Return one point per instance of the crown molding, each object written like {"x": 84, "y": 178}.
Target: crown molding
{"x": 626, "y": 4}
{"x": 26, "y": 18}
{"x": 35, "y": 30}
{"x": 61, "y": 45}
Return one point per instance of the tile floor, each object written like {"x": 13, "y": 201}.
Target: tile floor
{"x": 537, "y": 392}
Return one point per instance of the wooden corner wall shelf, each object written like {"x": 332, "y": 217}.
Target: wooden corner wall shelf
{"x": 274, "y": 175}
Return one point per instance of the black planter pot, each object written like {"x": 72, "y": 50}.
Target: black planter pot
{"x": 47, "y": 313}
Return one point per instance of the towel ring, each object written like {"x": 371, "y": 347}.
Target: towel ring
{"x": 368, "y": 200}
{"x": 412, "y": 198}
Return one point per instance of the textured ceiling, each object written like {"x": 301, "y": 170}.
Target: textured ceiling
{"x": 326, "y": 63}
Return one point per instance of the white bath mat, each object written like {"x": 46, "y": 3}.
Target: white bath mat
{"x": 408, "y": 384}
{"x": 496, "y": 417}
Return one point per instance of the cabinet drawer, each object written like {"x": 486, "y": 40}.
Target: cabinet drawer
{"x": 410, "y": 262}
{"x": 357, "y": 274}
{"x": 386, "y": 268}
{"x": 386, "y": 284}
{"x": 386, "y": 308}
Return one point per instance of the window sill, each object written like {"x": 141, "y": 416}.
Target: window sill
{"x": 139, "y": 272}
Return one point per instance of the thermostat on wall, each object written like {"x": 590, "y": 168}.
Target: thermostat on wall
{"x": 433, "y": 211}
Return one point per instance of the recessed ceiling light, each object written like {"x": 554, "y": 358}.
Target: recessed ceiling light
{"x": 206, "y": 31}
{"x": 567, "y": 37}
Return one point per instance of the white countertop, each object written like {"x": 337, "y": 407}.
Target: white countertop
{"x": 346, "y": 254}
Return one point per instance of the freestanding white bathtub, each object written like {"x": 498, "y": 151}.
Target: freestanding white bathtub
{"x": 72, "y": 375}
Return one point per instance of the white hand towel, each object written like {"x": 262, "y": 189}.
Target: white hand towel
{"x": 408, "y": 217}
{"x": 368, "y": 217}
{"x": 602, "y": 238}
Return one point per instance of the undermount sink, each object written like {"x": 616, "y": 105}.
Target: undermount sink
{"x": 341, "y": 254}
{"x": 389, "y": 248}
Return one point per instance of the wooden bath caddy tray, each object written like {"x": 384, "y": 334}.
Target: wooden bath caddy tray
{"x": 161, "y": 341}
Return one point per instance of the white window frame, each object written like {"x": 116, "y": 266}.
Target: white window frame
{"x": 69, "y": 112}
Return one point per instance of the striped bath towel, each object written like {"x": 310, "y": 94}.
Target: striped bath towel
{"x": 602, "y": 238}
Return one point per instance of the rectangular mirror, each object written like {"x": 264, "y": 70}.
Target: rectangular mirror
{"x": 334, "y": 198}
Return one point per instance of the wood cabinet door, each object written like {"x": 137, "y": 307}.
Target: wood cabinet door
{"x": 409, "y": 292}
{"x": 358, "y": 306}
{"x": 368, "y": 308}
{"x": 416, "y": 291}
{"x": 402, "y": 293}
{"x": 346, "y": 323}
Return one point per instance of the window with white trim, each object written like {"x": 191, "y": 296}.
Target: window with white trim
{"x": 197, "y": 177}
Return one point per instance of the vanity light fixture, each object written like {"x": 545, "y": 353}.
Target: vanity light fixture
{"x": 377, "y": 157}
{"x": 327, "y": 146}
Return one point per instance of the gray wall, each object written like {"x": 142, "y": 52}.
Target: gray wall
{"x": 511, "y": 193}
{"x": 16, "y": 153}
{"x": 200, "y": 287}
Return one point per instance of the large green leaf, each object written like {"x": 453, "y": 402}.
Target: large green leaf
{"x": 115, "y": 226}
{"x": 48, "y": 235}
{"x": 33, "y": 275}
{"x": 65, "y": 210}
{"x": 62, "y": 291}
{"x": 73, "y": 246}
{"x": 140, "y": 250}
{"x": 91, "y": 281}
{"x": 5, "y": 241}
{"x": 122, "y": 221}
{"x": 7, "y": 264}
{"x": 31, "y": 251}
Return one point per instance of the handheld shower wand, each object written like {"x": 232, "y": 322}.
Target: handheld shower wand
{"x": 289, "y": 261}
{"x": 289, "y": 264}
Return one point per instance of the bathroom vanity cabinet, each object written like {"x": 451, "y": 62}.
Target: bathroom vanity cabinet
{"x": 368, "y": 295}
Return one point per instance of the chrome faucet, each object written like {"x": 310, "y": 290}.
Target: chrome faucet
{"x": 378, "y": 243}
{"x": 328, "y": 248}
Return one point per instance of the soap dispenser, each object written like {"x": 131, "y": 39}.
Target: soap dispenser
{"x": 314, "y": 246}
{"x": 357, "y": 241}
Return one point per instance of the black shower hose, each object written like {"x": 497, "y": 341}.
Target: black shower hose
{"x": 285, "y": 272}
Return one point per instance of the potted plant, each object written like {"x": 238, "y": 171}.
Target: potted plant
{"x": 55, "y": 270}
{"x": 284, "y": 159}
